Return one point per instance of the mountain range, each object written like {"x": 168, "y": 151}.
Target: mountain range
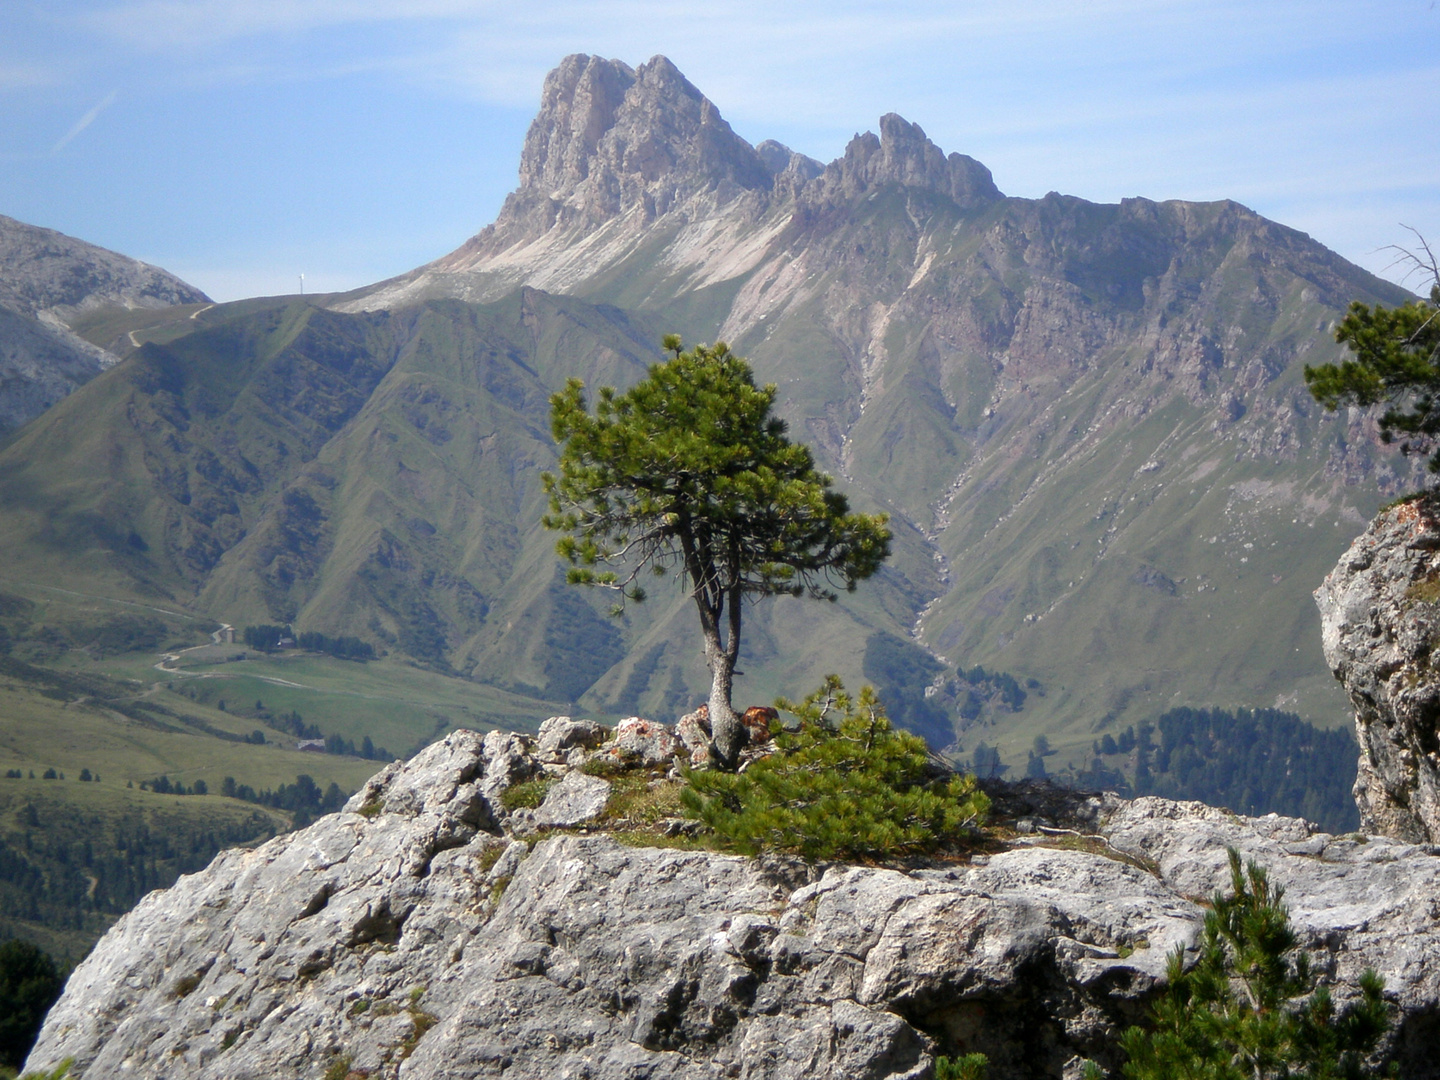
{"x": 1087, "y": 421}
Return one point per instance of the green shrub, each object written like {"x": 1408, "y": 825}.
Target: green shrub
{"x": 969, "y": 1067}
{"x": 1251, "y": 1008}
{"x": 185, "y": 985}
{"x": 844, "y": 785}
{"x": 58, "y": 1073}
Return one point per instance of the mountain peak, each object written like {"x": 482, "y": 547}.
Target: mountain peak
{"x": 903, "y": 154}
{"x": 42, "y": 270}
{"x": 610, "y": 139}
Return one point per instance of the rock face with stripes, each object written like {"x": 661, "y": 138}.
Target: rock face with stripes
{"x": 412, "y": 935}
{"x": 1380, "y": 609}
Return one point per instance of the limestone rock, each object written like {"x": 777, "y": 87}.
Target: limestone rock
{"x": 1380, "y": 611}
{"x": 405, "y": 936}
{"x": 560, "y": 734}
{"x": 576, "y": 799}
{"x": 902, "y": 154}
{"x": 610, "y": 140}
{"x": 644, "y": 741}
{"x": 693, "y": 731}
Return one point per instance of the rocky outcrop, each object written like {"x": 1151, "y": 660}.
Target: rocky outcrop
{"x": 1380, "y": 609}
{"x": 901, "y": 154}
{"x": 612, "y": 141}
{"x": 42, "y": 271}
{"x": 411, "y": 935}
{"x": 47, "y": 278}
{"x": 39, "y": 364}
{"x": 616, "y": 152}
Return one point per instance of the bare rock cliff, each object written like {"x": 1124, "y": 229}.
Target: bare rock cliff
{"x": 1380, "y": 609}
{"x": 610, "y": 141}
{"x": 414, "y": 935}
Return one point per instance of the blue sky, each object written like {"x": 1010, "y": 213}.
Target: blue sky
{"x": 241, "y": 143}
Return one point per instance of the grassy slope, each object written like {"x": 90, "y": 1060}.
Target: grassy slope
{"x": 68, "y": 812}
{"x": 76, "y": 721}
{"x": 1060, "y": 410}
{"x": 1078, "y": 416}
{"x": 414, "y": 524}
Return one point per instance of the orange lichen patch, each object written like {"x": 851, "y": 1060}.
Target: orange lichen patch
{"x": 757, "y": 720}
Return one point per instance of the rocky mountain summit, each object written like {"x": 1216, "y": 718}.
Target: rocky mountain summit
{"x": 46, "y": 280}
{"x": 1078, "y": 414}
{"x": 1381, "y": 615}
{"x": 434, "y": 929}
{"x": 46, "y": 272}
{"x": 616, "y": 151}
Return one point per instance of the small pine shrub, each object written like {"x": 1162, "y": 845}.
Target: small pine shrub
{"x": 969, "y": 1067}
{"x": 844, "y": 785}
{"x": 1251, "y": 1008}
{"x": 185, "y": 985}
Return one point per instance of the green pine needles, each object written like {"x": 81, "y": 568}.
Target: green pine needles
{"x": 1396, "y": 362}
{"x": 1251, "y": 1007}
{"x": 969, "y": 1067}
{"x": 844, "y": 785}
{"x": 690, "y": 471}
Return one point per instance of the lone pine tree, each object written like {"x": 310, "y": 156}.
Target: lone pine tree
{"x": 690, "y": 470}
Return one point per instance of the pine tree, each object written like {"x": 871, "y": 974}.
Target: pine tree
{"x": 30, "y": 982}
{"x": 690, "y": 470}
{"x": 844, "y": 785}
{"x": 1396, "y": 361}
{"x": 1251, "y": 1008}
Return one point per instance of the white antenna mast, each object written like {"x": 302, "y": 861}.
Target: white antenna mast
{"x": 302, "y": 284}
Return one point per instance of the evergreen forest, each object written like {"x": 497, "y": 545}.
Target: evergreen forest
{"x": 1251, "y": 761}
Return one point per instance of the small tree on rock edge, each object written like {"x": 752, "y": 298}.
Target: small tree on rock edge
{"x": 1251, "y": 1008}
{"x": 689, "y": 470}
{"x": 1396, "y": 362}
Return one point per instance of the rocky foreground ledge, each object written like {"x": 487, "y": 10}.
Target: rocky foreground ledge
{"x": 1380, "y": 614}
{"x": 416, "y": 934}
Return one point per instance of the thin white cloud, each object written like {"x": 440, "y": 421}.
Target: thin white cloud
{"x": 84, "y": 121}
{"x": 158, "y": 25}
{"x": 1296, "y": 107}
{"x": 25, "y": 76}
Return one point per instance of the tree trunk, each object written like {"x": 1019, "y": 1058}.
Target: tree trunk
{"x": 727, "y": 733}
